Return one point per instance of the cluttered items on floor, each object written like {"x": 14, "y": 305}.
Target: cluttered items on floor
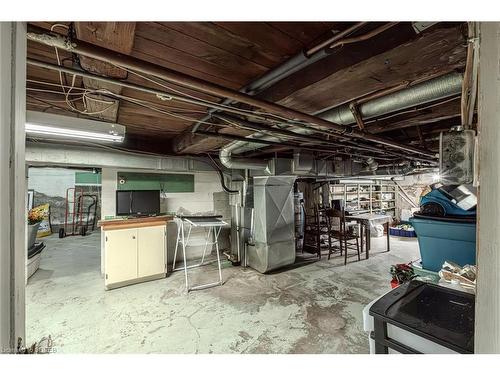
{"x": 36, "y": 218}
{"x": 401, "y": 273}
{"x": 445, "y": 230}
{"x": 402, "y": 230}
{"x": 451, "y": 275}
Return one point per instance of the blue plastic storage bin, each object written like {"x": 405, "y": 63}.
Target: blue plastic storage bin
{"x": 401, "y": 232}
{"x": 445, "y": 239}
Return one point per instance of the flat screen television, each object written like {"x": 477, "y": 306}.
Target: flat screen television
{"x": 137, "y": 202}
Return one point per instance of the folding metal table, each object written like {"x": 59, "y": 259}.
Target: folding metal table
{"x": 212, "y": 225}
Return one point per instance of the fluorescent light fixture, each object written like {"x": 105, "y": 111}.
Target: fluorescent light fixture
{"x": 50, "y": 126}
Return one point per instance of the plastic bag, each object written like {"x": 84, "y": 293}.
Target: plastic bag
{"x": 377, "y": 230}
{"x": 465, "y": 276}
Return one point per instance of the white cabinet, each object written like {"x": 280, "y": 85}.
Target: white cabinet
{"x": 150, "y": 257}
{"x": 133, "y": 255}
{"x": 120, "y": 255}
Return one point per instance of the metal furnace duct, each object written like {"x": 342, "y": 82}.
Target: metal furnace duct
{"x": 274, "y": 224}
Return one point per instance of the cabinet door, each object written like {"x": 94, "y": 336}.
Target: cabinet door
{"x": 120, "y": 255}
{"x": 151, "y": 251}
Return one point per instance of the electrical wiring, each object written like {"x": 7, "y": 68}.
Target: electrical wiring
{"x": 221, "y": 176}
{"x": 48, "y": 103}
{"x": 203, "y": 101}
{"x": 248, "y": 112}
{"x": 96, "y": 91}
{"x": 168, "y": 113}
{"x": 128, "y": 98}
{"x": 268, "y": 132}
{"x": 53, "y": 91}
{"x": 143, "y": 103}
{"x": 252, "y": 113}
{"x": 53, "y": 84}
{"x": 58, "y": 101}
{"x": 73, "y": 80}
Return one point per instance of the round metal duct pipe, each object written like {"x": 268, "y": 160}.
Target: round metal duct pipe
{"x": 425, "y": 92}
{"x": 230, "y": 162}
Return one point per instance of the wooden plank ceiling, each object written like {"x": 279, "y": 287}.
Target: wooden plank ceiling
{"x": 233, "y": 54}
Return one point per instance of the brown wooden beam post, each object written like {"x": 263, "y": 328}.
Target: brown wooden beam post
{"x": 357, "y": 116}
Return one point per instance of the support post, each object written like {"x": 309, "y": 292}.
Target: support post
{"x": 487, "y": 321}
{"x": 13, "y": 186}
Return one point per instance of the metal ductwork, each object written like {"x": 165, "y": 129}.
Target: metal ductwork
{"x": 226, "y": 159}
{"x": 422, "y": 93}
{"x": 274, "y": 229}
{"x": 390, "y": 170}
{"x": 371, "y": 165}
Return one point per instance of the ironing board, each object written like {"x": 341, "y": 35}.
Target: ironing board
{"x": 212, "y": 224}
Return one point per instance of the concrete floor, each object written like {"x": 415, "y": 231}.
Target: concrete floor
{"x": 313, "y": 308}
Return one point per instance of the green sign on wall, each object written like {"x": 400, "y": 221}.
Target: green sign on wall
{"x": 87, "y": 178}
{"x": 167, "y": 182}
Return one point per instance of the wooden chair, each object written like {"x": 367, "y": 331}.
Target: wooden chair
{"x": 316, "y": 225}
{"x": 340, "y": 231}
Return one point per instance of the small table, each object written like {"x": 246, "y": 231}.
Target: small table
{"x": 366, "y": 221}
{"x": 214, "y": 225}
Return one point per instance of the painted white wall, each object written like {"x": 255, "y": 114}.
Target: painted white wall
{"x": 108, "y": 192}
{"x": 414, "y": 186}
{"x": 205, "y": 185}
{"x": 487, "y": 319}
{"x": 13, "y": 187}
{"x": 51, "y": 181}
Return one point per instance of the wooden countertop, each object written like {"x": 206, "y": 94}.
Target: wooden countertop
{"x": 135, "y": 222}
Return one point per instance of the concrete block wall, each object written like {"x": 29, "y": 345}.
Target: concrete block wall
{"x": 413, "y": 186}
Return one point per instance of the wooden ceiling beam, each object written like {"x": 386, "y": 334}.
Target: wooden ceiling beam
{"x": 425, "y": 116}
{"x": 435, "y": 52}
{"x": 387, "y": 60}
{"x": 339, "y": 59}
{"x": 104, "y": 54}
{"x": 117, "y": 36}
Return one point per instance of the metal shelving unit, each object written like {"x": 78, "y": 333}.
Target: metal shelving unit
{"x": 366, "y": 197}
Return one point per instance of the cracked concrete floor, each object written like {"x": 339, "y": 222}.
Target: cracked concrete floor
{"x": 312, "y": 308}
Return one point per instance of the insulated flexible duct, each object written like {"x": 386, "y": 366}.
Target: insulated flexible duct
{"x": 422, "y": 93}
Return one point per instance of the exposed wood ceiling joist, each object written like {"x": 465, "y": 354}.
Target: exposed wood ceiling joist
{"x": 436, "y": 52}
{"x": 448, "y": 110}
{"x": 289, "y": 113}
{"x": 117, "y": 36}
{"x": 233, "y": 54}
{"x": 379, "y": 63}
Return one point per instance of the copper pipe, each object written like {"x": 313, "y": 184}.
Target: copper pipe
{"x": 366, "y": 36}
{"x": 41, "y": 35}
{"x": 334, "y": 38}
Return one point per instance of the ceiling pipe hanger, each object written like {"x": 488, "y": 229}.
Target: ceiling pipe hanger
{"x": 42, "y": 36}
